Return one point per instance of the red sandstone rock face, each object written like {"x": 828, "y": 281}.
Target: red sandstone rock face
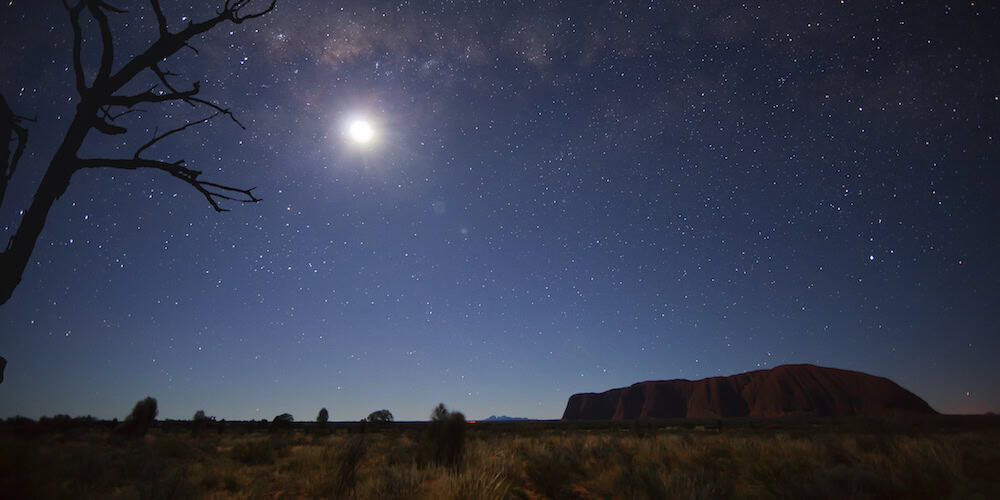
{"x": 783, "y": 391}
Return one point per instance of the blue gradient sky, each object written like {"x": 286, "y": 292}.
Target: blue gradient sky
{"x": 561, "y": 197}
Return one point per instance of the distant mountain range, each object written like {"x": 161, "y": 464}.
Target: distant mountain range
{"x": 502, "y": 418}
{"x": 783, "y": 391}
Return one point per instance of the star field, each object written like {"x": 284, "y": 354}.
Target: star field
{"x": 560, "y": 197}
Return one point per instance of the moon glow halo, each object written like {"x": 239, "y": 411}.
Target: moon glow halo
{"x": 361, "y": 131}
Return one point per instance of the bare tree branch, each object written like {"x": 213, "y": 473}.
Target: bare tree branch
{"x": 148, "y": 96}
{"x": 106, "y": 112}
{"x": 74, "y": 21}
{"x": 10, "y": 130}
{"x": 107, "y": 128}
{"x": 164, "y": 135}
{"x": 220, "y": 109}
{"x": 110, "y": 7}
{"x": 170, "y": 43}
{"x": 108, "y": 46}
{"x": 236, "y": 6}
{"x": 162, "y": 75}
{"x": 210, "y": 190}
{"x": 161, "y": 20}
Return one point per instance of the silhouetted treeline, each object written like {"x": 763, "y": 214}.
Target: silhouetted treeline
{"x": 890, "y": 425}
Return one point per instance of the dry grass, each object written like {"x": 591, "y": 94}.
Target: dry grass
{"x": 550, "y": 463}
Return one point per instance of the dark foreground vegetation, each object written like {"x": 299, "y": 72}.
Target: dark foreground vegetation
{"x": 927, "y": 457}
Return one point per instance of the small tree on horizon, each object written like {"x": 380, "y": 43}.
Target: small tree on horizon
{"x": 321, "y": 420}
{"x": 380, "y": 417}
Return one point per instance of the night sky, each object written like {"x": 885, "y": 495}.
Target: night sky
{"x": 558, "y": 197}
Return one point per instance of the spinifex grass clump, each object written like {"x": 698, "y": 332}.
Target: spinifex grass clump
{"x": 253, "y": 452}
{"x": 552, "y": 466}
{"x": 341, "y": 476}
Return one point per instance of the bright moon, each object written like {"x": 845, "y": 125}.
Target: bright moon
{"x": 361, "y": 131}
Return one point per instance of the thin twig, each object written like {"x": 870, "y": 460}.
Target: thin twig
{"x": 164, "y": 135}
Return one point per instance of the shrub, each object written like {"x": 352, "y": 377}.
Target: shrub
{"x": 446, "y": 436}
{"x": 199, "y": 422}
{"x": 282, "y": 422}
{"x": 142, "y": 416}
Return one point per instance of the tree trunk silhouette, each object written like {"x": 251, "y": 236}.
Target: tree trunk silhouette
{"x": 98, "y": 109}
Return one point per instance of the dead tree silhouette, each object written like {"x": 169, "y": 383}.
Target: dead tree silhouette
{"x": 100, "y": 105}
